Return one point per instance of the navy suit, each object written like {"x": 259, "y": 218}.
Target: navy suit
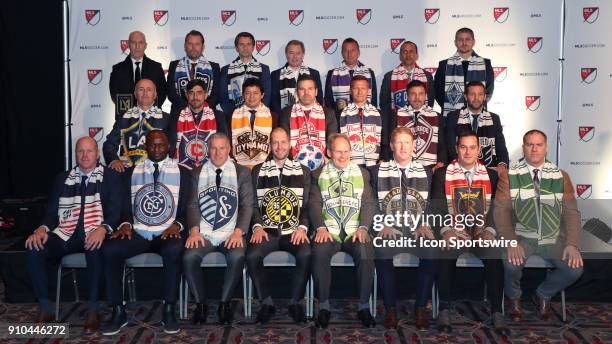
{"x": 275, "y": 105}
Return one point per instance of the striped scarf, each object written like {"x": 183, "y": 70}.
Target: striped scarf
{"x": 251, "y": 145}
{"x": 237, "y": 73}
{"x": 455, "y": 80}
{"x": 341, "y": 83}
{"x": 400, "y": 78}
{"x": 341, "y": 199}
{"x": 485, "y": 132}
{"x": 363, "y": 133}
{"x": 541, "y": 224}
{"x": 218, "y": 206}
{"x": 69, "y": 208}
{"x": 133, "y": 136}
{"x": 288, "y": 83}
{"x": 154, "y": 205}
{"x": 308, "y": 135}
{"x": 463, "y": 199}
{"x": 203, "y": 71}
{"x": 191, "y": 139}
{"x": 425, "y": 132}
{"x": 280, "y": 195}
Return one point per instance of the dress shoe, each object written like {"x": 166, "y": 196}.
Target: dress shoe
{"x": 546, "y": 313}
{"x": 225, "y": 313}
{"x": 92, "y": 323}
{"x": 323, "y": 318}
{"x": 422, "y": 320}
{"x": 200, "y": 314}
{"x": 266, "y": 312}
{"x": 391, "y": 318}
{"x": 443, "y": 323}
{"x": 296, "y": 312}
{"x": 367, "y": 320}
{"x": 515, "y": 310}
{"x": 499, "y": 325}
{"x": 169, "y": 319}
{"x": 44, "y": 317}
{"x": 117, "y": 321}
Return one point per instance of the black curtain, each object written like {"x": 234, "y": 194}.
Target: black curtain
{"x": 31, "y": 105}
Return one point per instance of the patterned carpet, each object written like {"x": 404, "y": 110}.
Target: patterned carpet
{"x": 587, "y": 323}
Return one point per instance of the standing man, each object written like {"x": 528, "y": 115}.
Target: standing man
{"x": 338, "y": 81}
{"x": 457, "y": 71}
{"x": 284, "y": 80}
{"x": 126, "y": 74}
{"x": 84, "y": 206}
{"x": 245, "y": 66}
{"x": 535, "y": 204}
{"x": 191, "y": 67}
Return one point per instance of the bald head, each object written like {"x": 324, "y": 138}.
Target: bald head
{"x": 87, "y": 153}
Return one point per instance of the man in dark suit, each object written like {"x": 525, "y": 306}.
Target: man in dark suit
{"x": 84, "y": 206}
{"x": 127, "y": 73}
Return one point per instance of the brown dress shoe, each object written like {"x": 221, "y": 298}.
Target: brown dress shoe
{"x": 92, "y": 323}
{"x": 422, "y": 321}
{"x": 546, "y": 313}
{"x": 515, "y": 311}
{"x": 44, "y": 317}
{"x": 391, "y": 318}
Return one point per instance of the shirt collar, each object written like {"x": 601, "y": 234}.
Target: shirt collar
{"x": 134, "y": 60}
{"x": 84, "y": 174}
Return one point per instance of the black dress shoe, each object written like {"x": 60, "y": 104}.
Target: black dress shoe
{"x": 443, "y": 323}
{"x": 200, "y": 314}
{"x": 367, "y": 320}
{"x": 296, "y": 312}
{"x": 225, "y": 313}
{"x": 117, "y": 321}
{"x": 169, "y": 319}
{"x": 323, "y": 318}
{"x": 265, "y": 314}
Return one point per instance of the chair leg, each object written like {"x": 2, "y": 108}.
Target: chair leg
{"x": 250, "y": 286}
{"x": 375, "y": 294}
{"x": 434, "y": 301}
{"x": 563, "y": 304}
{"x": 307, "y": 298}
{"x": 123, "y": 285}
{"x": 186, "y": 299}
{"x": 245, "y": 293}
{"x": 311, "y": 297}
{"x": 503, "y": 302}
{"x": 76, "y": 285}
{"x": 484, "y": 298}
{"x": 181, "y": 314}
{"x": 133, "y": 286}
{"x": 57, "y": 293}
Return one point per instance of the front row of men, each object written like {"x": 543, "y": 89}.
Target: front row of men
{"x": 224, "y": 207}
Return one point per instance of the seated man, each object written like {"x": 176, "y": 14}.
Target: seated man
{"x": 535, "y": 205}
{"x": 156, "y": 208}
{"x": 84, "y": 205}
{"x": 280, "y": 222}
{"x": 342, "y": 217}
{"x": 220, "y": 206}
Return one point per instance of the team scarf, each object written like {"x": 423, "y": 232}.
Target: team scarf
{"x": 400, "y": 78}
{"x": 218, "y": 205}
{"x": 426, "y": 132}
{"x": 280, "y": 193}
{"x": 191, "y": 137}
{"x": 363, "y": 132}
{"x": 307, "y": 134}
{"x": 485, "y": 132}
{"x": 341, "y": 199}
{"x": 203, "y": 71}
{"x": 543, "y": 223}
{"x": 341, "y": 83}
{"x": 462, "y": 199}
{"x": 154, "y": 205}
{"x": 69, "y": 208}
{"x": 251, "y": 145}
{"x": 455, "y": 80}
{"x": 288, "y": 83}
{"x": 389, "y": 189}
{"x": 133, "y": 137}
{"x": 237, "y": 73}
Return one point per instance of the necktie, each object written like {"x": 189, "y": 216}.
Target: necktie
{"x": 536, "y": 185}
{"x": 343, "y": 220}
{"x": 155, "y": 174}
{"x": 218, "y": 179}
{"x": 468, "y": 177}
{"x": 416, "y": 118}
{"x": 360, "y": 112}
{"x": 474, "y": 123}
{"x": 404, "y": 184}
{"x": 192, "y": 71}
{"x": 137, "y": 73}
{"x": 253, "y": 112}
{"x": 82, "y": 190}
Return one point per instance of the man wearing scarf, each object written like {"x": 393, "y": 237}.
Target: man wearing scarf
{"x": 194, "y": 66}
{"x": 251, "y": 126}
{"x": 402, "y": 186}
{"x": 457, "y": 71}
{"x": 462, "y": 193}
{"x": 361, "y": 122}
{"x": 309, "y": 124}
{"x": 342, "y": 217}
{"x": 84, "y": 206}
{"x": 244, "y": 67}
{"x": 338, "y": 81}
{"x": 280, "y": 222}
{"x": 196, "y": 122}
{"x": 284, "y": 80}
{"x": 535, "y": 205}
{"x": 219, "y": 214}
{"x": 125, "y": 144}
{"x": 426, "y": 125}
{"x": 154, "y": 213}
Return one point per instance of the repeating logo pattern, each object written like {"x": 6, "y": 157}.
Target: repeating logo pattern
{"x": 160, "y": 17}
{"x": 94, "y": 76}
{"x": 590, "y": 14}
{"x": 588, "y": 75}
{"x": 432, "y": 15}
{"x": 364, "y": 15}
{"x": 92, "y": 17}
{"x": 396, "y": 44}
{"x": 501, "y": 14}
{"x": 228, "y": 17}
{"x": 534, "y": 44}
{"x": 262, "y": 47}
{"x": 330, "y": 45}
{"x": 584, "y": 191}
{"x": 586, "y": 134}
{"x": 296, "y": 17}
{"x": 532, "y": 102}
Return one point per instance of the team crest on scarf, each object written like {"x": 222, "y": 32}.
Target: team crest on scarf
{"x": 286, "y": 204}
{"x": 133, "y": 140}
{"x": 220, "y": 215}
{"x": 341, "y": 205}
{"x": 194, "y": 149}
{"x": 423, "y": 136}
{"x": 153, "y": 204}
{"x": 469, "y": 200}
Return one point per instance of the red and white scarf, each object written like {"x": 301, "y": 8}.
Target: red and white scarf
{"x": 191, "y": 138}
{"x": 400, "y": 78}
{"x": 363, "y": 131}
{"x": 307, "y": 133}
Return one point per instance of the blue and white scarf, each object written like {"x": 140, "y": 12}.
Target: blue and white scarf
{"x": 455, "y": 80}
{"x": 203, "y": 71}
{"x": 341, "y": 83}
{"x": 237, "y": 73}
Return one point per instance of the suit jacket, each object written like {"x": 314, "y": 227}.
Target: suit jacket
{"x": 178, "y": 102}
{"x": 228, "y": 105}
{"x": 331, "y": 126}
{"x": 122, "y": 82}
{"x": 276, "y": 99}
{"x": 385, "y": 92}
{"x": 439, "y": 80}
{"x": 329, "y": 94}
